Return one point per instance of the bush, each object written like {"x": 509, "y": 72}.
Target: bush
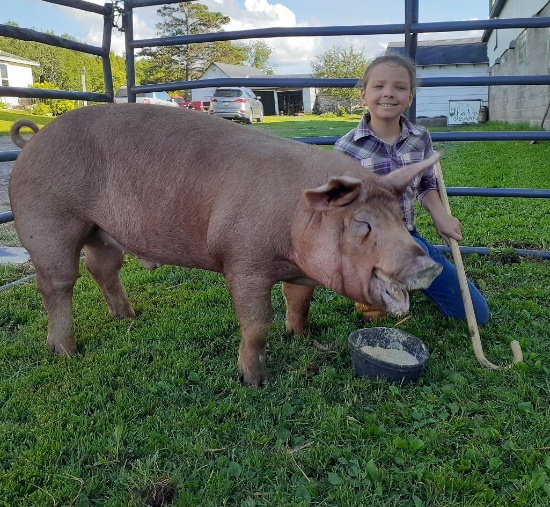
{"x": 341, "y": 111}
{"x": 328, "y": 115}
{"x": 41, "y": 109}
{"x": 55, "y": 106}
{"x": 359, "y": 110}
{"x": 3, "y": 105}
{"x": 60, "y": 106}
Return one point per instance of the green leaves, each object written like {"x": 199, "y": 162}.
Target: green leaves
{"x": 340, "y": 62}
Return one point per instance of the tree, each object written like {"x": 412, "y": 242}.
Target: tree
{"x": 258, "y": 53}
{"x": 188, "y": 62}
{"x": 340, "y": 62}
{"x": 61, "y": 67}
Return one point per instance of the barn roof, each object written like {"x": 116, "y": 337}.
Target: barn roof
{"x": 238, "y": 70}
{"x": 446, "y": 52}
{"x": 8, "y": 57}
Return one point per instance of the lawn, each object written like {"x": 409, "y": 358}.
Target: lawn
{"x": 7, "y": 118}
{"x": 152, "y": 412}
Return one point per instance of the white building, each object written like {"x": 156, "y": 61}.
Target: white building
{"x": 500, "y": 40}
{"x": 17, "y": 72}
{"x": 519, "y": 52}
{"x": 448, "y": 58}
{"x": 281, "y": 100}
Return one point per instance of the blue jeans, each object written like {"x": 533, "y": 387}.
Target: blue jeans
{"x": 444, "y": 292}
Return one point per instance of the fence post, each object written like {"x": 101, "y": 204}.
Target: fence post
{"x": 128, "y": 28}
{"x": 411, "y": 39}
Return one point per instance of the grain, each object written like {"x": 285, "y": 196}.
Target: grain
{"x": 394, "y": 356}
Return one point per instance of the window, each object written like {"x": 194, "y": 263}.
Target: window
{"x": 4, "y": 75}
{"x": 227, "y": 93}
{"x": 163, "y": 96}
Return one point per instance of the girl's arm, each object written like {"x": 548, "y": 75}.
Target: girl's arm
{"x": 446, "y": 225}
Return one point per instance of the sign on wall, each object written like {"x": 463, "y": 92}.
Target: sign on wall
{"x": 462, "y": 112}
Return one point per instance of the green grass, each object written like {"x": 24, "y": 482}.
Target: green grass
{"x": 152, "y": 411}
{"x": 7, "y": 118}
{"x": 309, "y": 125}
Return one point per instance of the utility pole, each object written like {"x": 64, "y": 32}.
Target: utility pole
{"x": 83, "y": 81}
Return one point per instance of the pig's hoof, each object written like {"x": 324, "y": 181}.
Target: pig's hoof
{"x": 251, "y": 382}
{"x": 62, "y": 349}
{"x": 297, "y": 329}
{"x": 252, "y": 378}
{"x": 126, "y": 313}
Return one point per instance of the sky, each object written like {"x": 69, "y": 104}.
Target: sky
{"x": 291, "y": 55}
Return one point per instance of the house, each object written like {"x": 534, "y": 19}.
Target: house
{"x": 282, "y": 100}
{"x": 517, "y": 52}
{"x": 16, "y": 72}
{"x": 449, "y": 58}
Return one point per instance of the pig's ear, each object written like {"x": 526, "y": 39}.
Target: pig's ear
{"x": 337, "y": 192}
{"x": 401, "y": 179}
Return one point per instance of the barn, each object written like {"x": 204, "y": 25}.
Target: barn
{"x": 448, "y": 58}
{"x": 276, "y": 101}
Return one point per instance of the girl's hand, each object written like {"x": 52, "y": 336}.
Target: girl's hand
{"x": 448, "y": 227}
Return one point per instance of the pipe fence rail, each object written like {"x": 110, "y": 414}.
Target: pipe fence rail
{"x": 410, "y": 29}
{"x": 107, "y": 11}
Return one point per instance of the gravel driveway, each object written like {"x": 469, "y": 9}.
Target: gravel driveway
{"x": 5, "y": 171}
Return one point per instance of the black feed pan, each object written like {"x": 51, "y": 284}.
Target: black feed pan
{"x": 388, "y": 353}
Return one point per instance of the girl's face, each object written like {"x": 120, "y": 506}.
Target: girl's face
{"x": 387, "y": 92}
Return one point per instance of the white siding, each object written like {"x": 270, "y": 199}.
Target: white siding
{"x": 19, "y": 75}
{"x": 309, "y": 95}
{"x": 499, "y": 40}
{"x": 434, "y": 101}
{"x": 204, "y": 94}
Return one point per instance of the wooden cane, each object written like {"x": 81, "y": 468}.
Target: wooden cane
{"x": 465, "y": 291}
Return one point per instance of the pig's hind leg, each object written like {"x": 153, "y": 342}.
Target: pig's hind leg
{"x": 54, "y": 243}
{"x": 103, "y": 261}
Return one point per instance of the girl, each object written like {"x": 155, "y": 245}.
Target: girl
{"x": 385, "y": 141}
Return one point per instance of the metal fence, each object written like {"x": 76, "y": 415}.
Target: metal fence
{"x": 410, "y": 29}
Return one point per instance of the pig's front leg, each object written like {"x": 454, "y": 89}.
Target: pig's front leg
{"x": 252, "y": 300}
{"x": 298, "y": 301}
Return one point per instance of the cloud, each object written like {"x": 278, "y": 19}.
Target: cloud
{"x": 88, "y": 27}
{"x": 290, "y": 54}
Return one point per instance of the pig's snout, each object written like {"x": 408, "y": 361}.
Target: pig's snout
{"x": 426, "y": 271}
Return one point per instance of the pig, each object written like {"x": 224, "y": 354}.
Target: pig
{"x": 182, "y": 188}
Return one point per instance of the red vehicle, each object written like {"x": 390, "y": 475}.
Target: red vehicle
{"x": 197, "y": 105}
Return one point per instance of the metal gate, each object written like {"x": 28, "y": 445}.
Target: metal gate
{"x": 410, "y": 29}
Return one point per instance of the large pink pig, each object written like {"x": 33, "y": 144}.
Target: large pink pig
{"x": 180, "y": 187}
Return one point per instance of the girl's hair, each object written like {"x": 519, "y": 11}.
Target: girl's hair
{"x": 392, "y": 59}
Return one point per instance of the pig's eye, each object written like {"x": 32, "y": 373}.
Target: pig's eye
{"x": 361, "y": 226}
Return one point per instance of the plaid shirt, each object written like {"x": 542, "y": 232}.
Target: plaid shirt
{"x": 413, "y": 144}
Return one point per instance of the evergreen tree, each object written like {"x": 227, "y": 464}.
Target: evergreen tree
{"x": 188, "y": 62}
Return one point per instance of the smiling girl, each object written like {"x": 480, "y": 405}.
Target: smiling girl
{"x": 385, "y": 141}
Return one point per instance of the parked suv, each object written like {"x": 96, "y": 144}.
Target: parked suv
{"x": 236, "y": 104}
{"x": 161, "y": 98}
